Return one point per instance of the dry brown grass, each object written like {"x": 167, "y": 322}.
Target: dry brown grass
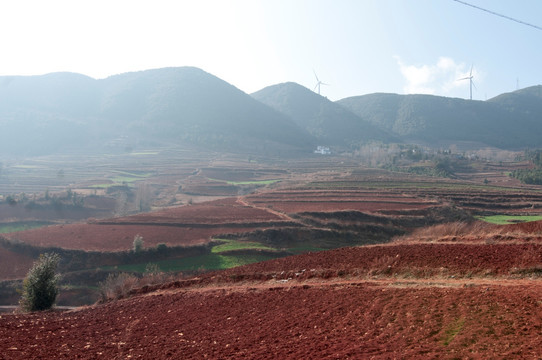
{"x": 120, "y": 285}
{"x": 476, "y": 231}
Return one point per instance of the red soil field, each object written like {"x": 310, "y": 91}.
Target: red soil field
{"x": 414, "y": 259}
{"x": 13, "y": 265}
{"x": 336, "y": 200}
{"x": 120, "y": 237}
{"x": 213, "y": 212}
{"x": 181, "y": 226}
{"x": 18, "y": 212}
{"x": 411, "y": 300}
{"x": 533, "y": 227}
{"x": 329, "y": 206}
{"x": 360, "y": 320}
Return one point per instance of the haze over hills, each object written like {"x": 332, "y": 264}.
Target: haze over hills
{"x": 509, "y": 121}
{"x": 327, "y": 121}
{"x": 60, "y": 112}
{"x": 50, "y": 113}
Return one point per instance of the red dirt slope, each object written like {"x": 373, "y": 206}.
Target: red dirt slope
{"x": 318, "y": 321}
{"x": 409, "y": 259}
{"x": 120, "y": 237}
{"x": 181, "y": 226}
{"x": 415, "y": 301}
{"x": 13, "y": 265}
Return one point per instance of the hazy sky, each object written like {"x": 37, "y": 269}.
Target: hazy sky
{"x": 357, "y": 46}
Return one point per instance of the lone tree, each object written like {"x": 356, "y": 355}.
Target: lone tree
{"x": 40, "y": 287}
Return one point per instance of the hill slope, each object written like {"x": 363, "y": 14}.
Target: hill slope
{"x": 190, "y": 104}
{"x": 330, "y": 123}
{"x": 56, "y": 111}
{"x": 510, "y": 121}
{"x": 395, "y": 301}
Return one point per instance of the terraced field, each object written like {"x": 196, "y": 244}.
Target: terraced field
{"x": 401, "y": 300}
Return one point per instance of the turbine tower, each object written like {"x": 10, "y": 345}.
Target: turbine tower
{"x": 470, "y": 81}
{"x": 318, "y": 83}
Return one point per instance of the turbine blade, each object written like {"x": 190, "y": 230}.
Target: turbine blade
{"x": 316, "y": 76}
{"x": 472, "y": 82}
{"x": 472, "y": 66}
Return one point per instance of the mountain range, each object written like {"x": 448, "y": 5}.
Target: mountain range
{"x": 508, "y": 121}
{"x": 60, "y": 112}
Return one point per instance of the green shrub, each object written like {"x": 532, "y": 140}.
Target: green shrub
{"x": 40, "y": 287}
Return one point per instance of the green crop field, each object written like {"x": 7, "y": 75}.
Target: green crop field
{"x": 509, "y": 219}
{"x": 202, "y": 262}
{"x": 20, "y": 226}
{"x": 230, "y": 245}
{"x": 251, "y": 182}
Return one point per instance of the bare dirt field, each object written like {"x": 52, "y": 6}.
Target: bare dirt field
{"x": 179, "y": 226}
{"x": 213, "y": 212}
{"x": 408, "y": 260}
{"x": 120, "y": 237}
{"x": 13, "y": 265}
{"x": 459, "y": 291}
{"x": 265, "y": 311}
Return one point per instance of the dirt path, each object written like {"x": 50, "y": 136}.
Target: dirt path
{"x": 242, "y": 201}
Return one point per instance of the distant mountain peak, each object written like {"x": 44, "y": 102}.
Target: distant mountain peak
{"x": 329, "y": 122}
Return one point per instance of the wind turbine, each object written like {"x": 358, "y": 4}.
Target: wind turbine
{"x": 318, "y": 83}
{"x": 470, "y": 81}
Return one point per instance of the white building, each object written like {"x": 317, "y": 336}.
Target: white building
{"x": 322, "y": 150}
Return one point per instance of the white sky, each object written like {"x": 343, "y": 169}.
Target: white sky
{"x": 356, "y": 46}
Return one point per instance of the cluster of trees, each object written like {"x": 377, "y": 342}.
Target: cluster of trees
{"x": 530, "y": 176}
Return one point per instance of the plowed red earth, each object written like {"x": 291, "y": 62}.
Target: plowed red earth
{"x": 13, "y": 265}
{"x": 214, "y": 212}
{"x": 182, "y": 226}
{"x": 338, "y": 313}
{"x": 419, "y": 259}
{"x": 533, "y": 227}
{"x": 363, "y": 206}
{"x": 336, "y": 200}
{"x": 356, "y": 320}
{"x": 120, "y": 237}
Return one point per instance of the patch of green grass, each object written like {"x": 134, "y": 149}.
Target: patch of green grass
{"x": 133, "y": 174}
{"x": 230, "y": 245}
{"x": 202, "y": 262}
{"x": 509, "y": 219}
{"x": 124, "y": 179}
{"x": 452, "y": 331}
{"x": 21, "y": 226}
{"x": 252, "y": 182}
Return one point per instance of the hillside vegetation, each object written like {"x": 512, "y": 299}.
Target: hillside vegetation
{"x": 327, "y": 121}
{"x": 66, "y": 112}
{"x": 60, "y": 111}
{"x": 509, "y": 121}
